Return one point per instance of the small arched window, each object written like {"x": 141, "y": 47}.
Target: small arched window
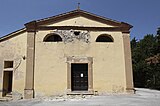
{"x": 104, "y": 38}
{"x": 52, "y": 38}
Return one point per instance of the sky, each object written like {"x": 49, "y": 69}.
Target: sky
{"x": 143, "y": 15}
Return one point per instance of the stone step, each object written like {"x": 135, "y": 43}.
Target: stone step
{"x": 5, "y": 99}
{"x": 9, "y": 95}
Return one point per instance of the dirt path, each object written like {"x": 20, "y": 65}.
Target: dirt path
{"x": 143, "y": 97}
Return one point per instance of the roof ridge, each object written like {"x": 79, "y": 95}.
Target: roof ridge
{"x": 87, "y": 14}
{"x": 100, "y": 16}
{"x": 56, "y": 15}
{"x": 77, "y": 10}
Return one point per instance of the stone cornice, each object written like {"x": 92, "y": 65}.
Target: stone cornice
{"x": 122, "y": 29}
{"x": 31, "y": 26}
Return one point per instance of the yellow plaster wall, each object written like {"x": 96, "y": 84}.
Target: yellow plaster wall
{"x": 108, "y": 60}
{"x": 80, "y": 21}
{"x": 51, "y": 66}
{"x": 14, "y": 49}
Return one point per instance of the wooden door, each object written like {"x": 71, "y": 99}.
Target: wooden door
{"x": 7, "y": 82}
{"x": 79, "y": 77}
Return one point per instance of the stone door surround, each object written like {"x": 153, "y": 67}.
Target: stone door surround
{"x": 78, "y": 59}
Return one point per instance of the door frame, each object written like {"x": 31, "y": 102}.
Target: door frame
{"x": 81, "y": 60}
{"x": 4, "y": 81}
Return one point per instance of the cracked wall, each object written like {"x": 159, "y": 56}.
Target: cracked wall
{"x": 70, "y": 36}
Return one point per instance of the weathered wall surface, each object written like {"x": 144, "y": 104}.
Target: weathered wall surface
{"x": 51, "y": 66}
{"x": 14, "y": 49}
{"x": 108, "y": 60}
{"x": 50, "y": 76}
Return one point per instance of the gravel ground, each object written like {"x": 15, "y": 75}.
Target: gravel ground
{"x": 143, "y": 97}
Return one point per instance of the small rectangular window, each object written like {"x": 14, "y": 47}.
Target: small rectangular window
{"x": 8, "y": 64}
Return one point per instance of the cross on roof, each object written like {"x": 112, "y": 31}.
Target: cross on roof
{"x": 78, "y": 8}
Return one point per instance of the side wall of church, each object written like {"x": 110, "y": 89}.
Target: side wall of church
{"x": 14, "y": 49}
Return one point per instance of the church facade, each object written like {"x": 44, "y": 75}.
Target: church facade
{"x": 72, "y": 53}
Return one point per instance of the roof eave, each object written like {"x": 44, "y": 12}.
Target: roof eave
{"x": 12, "y": 34}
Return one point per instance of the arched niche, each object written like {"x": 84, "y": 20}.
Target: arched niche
{"x": 104, "y": 38}
{"x": 52, "y": 38}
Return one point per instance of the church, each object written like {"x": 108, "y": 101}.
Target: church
{"x": 73, "y": 53}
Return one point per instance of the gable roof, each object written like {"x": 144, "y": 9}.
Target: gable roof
{"x": 31, "y": 26}
{"x": 78, "y": 12}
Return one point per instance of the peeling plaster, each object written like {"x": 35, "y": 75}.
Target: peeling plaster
{"x": 69, "y": 35}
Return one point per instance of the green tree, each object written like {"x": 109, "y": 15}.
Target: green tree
{"x": 145, "y": 74}
{"x": 158, "y": 40}
{"x": 158, "y": 31}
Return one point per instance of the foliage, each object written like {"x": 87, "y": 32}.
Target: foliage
{"x": 146, "y": 73}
